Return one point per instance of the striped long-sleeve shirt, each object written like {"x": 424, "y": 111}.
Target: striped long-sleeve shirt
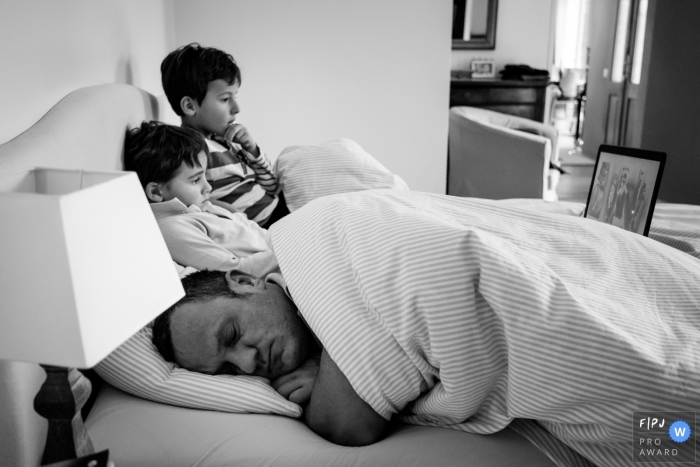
{"x": 474, "y": 315}
{"x": 240, "y": 181}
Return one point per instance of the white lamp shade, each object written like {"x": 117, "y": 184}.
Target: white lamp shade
{"x": 84, "y": 266}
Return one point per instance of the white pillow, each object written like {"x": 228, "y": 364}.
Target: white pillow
{"x": 307, "y": 172}
{"x": 136, "y": 367}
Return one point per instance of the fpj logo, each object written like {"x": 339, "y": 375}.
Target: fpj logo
{"x": 667, "y": 437}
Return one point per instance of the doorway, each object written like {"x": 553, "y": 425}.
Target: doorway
{"x": 617, "y": 73}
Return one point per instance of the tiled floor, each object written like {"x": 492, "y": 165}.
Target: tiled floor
{"x": 575, "y": 183}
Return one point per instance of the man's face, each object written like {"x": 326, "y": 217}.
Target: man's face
{"x": 259, "y": 334}
{"x": 188, "y": 185}
{"x": 218, "y": 109}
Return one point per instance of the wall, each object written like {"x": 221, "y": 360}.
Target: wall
{"x": 671, "y": 122}
{"x": 50, "y": 48}
{"x": 376, "y": 71}
{"x": 314, "y": 70}
{"x": 523, "y": 36}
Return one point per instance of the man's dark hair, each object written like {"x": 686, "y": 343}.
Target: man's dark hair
{"x": 187, "y": 71}
{"x": 201, "y": 286}
{"x": 155, "y": 151}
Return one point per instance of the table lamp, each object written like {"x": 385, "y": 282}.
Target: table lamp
{"x": 84, "y": 268}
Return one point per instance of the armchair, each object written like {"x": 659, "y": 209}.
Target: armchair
{"x": 497, "y": 156}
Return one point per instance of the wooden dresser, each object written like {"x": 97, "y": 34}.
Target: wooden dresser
{"x": 521, "y": 98}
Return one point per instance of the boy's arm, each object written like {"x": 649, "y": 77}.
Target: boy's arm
{"x": 237, "y": 136}
{"x": 338, "y": 413}
{"x": 189, "y": 245}
{"x": 263, "y": 171}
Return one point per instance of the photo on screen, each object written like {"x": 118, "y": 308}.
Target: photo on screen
{"x": 624, "y": 187}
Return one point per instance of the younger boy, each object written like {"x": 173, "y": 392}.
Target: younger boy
{"x": 170, "y": 162}
{"x": 201, "y": 84}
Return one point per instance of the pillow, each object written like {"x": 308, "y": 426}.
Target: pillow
{"x": 308, "y": 172}
{"x": 136, "y": 367}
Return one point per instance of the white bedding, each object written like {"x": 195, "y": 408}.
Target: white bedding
{"x": 520, "y": 314}
{"x": 676, "y": 225}
{"x": 141, "y": 433}
{"x": 309, "y": 171}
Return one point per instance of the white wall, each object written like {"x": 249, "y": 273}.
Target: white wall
{"x": 313, "y": 70}
{"x": 523, "y": 36}
{"x": 376, "y": 71}
{"x": 49, "y": 48}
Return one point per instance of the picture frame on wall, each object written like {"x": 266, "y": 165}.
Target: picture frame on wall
{"x": 483, "y": 68}
{"x": 474, "y": 24}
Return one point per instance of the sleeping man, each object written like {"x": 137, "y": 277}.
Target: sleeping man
{"x": 456, "y": 312}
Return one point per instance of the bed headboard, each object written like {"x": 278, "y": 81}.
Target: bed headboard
{"x": 84, "y": 130}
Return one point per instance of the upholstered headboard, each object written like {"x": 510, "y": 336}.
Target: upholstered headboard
{"x": 84, "y": 130}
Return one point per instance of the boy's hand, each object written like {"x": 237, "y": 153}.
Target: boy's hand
{"x": 239, "y": 134}
{"x": 297, "y": 385}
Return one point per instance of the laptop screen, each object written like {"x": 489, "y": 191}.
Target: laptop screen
{"x": 624, "y": 187}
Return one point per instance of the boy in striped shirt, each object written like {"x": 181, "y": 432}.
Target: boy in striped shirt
{"x": 201, "y": 84}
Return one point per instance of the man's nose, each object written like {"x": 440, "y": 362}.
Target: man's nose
{"x": 235, "y": 108}
{"x": 207, "y": 187}
{"x": 243, "y": 359}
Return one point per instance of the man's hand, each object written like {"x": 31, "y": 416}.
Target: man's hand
{"x": 239, "y": 134}
{"x": 337, "y": 413}
{"x": 297, "y": 385}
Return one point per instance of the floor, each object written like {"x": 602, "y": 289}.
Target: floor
{"x": 575, "y": 183}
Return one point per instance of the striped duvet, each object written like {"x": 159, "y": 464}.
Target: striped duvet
{"x": 470, "y": 313}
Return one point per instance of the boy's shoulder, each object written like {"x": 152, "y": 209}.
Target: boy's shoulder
{"x": 222, "y": 153}
{"x": 216, "y": 145}
{"x": 198, "y": 222}
{"x": 219, "y": 145}
{"x": 174, "y": 211}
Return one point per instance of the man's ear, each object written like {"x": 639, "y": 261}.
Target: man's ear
{"x": 188, "y": 106}
{"x": 153, "y": 192}
{"x": 240, "y": 281}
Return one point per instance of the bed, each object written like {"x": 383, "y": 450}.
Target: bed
{"x": 86, "y": 130}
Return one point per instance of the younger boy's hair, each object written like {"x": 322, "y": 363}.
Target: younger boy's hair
{"x": 187, "y": 71}
{"x": 155, "y": 151}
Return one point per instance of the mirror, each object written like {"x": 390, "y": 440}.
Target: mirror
{"x": 474, "y": 24}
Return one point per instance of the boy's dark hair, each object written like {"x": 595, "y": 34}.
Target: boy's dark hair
{"x": 155, "y": 151}
{"x": 200, "y": 286}
{"x": 187, "y": 71}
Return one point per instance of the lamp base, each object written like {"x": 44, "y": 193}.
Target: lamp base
{"x": 60, "y": 399}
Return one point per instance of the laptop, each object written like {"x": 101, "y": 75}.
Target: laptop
{"x": 624, "y": 187}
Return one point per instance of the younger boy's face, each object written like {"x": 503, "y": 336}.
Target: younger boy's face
{"x": 189, "y": 184}
{"x": 218, "y": 110}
